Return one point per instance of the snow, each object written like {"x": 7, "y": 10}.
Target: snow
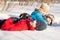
{"x": 4, "y": 16}
{"x": 51, "y": 33}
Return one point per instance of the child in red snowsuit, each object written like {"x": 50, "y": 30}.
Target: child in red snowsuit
{"x": 21, "y": 25}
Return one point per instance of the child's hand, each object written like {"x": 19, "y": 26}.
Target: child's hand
{"x": 33, "y": 23}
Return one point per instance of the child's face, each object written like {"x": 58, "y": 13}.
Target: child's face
{"x": 48, "y": 20}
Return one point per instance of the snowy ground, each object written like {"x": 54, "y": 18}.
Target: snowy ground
{"x": 51, "y": 33}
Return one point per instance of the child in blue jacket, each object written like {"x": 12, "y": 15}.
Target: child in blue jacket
{"x": 41, "y": 22}
{"x": 38, "y": 15}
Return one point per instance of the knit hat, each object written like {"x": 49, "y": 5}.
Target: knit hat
{"x": 40, "y": 25}
{"x": 44, "y": 6}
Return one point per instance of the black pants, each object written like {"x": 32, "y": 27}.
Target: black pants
{"x": 1, "y": 22}
{"x": 40, "y": 25}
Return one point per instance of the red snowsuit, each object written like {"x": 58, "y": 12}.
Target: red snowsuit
{"x": 22, "y": 25}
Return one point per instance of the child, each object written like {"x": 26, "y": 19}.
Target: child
{"x": 21, "y": 25}
{"x": 38, "y": 15}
